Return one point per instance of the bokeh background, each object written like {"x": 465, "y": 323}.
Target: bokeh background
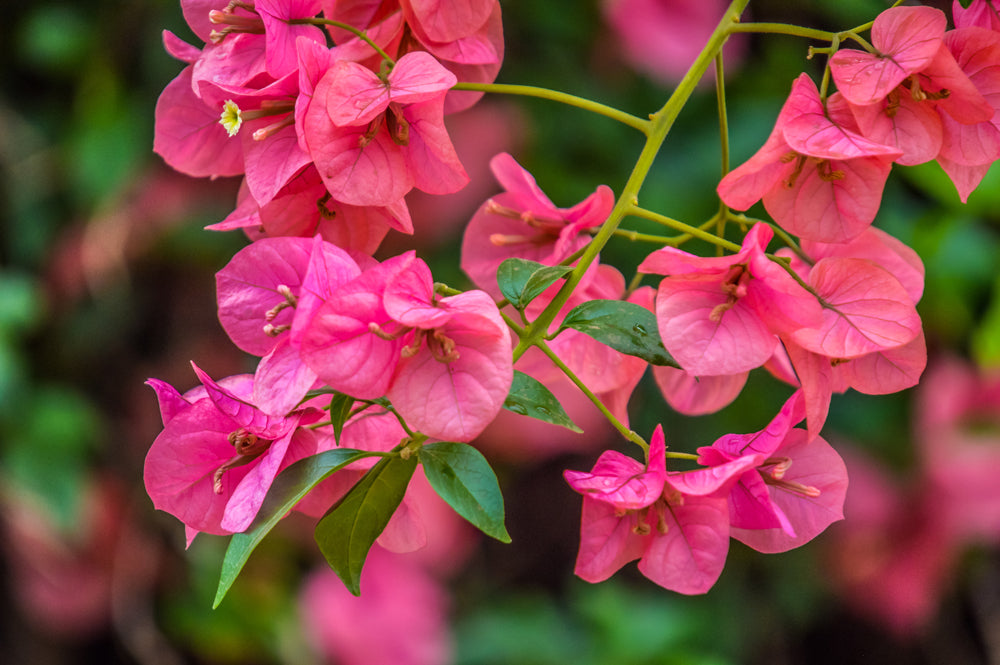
{"x": 106, "y": 279}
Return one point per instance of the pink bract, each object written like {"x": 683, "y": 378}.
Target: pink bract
{"x": 523, "y": 222}
{"x": 819, "y": 178}
{"x": 191, "y": 470}
{"x": 719, "y": 315}
{"x": 906, "y": 40}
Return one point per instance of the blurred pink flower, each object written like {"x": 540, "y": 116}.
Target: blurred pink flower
{"x": 399, "y": 618}
{"x": 662, "y": 38}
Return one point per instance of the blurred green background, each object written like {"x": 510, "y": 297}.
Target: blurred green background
{"x": 106, "y": 278}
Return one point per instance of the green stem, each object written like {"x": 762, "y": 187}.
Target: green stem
{"x": 635, "y": 236}
{"x": 660, "y": 125}
{"x": 617, "y": 424}
{"x": 360, "y": 34}
{"x": 720, "y": 95}
{"x": 690, "y": 456}
{"x": 562, "y": 97}
{"x": 808, "y": 33}
{"x": 686, "y": 228}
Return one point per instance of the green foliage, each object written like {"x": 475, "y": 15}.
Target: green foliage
{"x": 529, "y": 397}
{"x": 521, "y": 280}
{"x": 461, "y": 476}
{"x": 349, "y": 529}
{"x": 624, "y": 326}
{"x": 288, "y": 489}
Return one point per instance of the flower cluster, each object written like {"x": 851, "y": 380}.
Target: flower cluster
{"x": 328, "y": 139}
{"x": 333, "y": 110}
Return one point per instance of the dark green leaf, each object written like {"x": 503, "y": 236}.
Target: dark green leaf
{"x": 624, "y": 326}
{"x": 348, "y": 530}
{"x": 521, "y": 281}
{"x": 340, "y": 411}
{"x": 461, "y": 476}
{"x": 287, "y": 489}
{"x": 528, "y": 397}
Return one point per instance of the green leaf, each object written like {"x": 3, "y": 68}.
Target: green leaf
{"x": 624, "y": 326}
{"x": 287, "y": 489}
{"x": 340, "y": 411}
{"x": 461, "y": 476}
{"x": 528, "y": 397}
{"x": 521, "y": 281}
{"x": 348, "y": 530}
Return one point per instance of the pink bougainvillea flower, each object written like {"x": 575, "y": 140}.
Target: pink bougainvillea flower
{"x": 968, "y": 150}
{"x": 216, "y": 457}
{"x": 265, "y": 311}
{"x": 456, "y": 370}
{"x": 979, "y": 13}
{"x": 445, "y": 363}
{"x": 719, "y": 315}
{"x": 906, "y": 39}
{"x": 374, "y": 140}
{"x": 631, "y": 512}
{"x": 819, "y": 178}
{"x": 796, "y": 489}
{"x": 676, "y": 523}
{"x": 522, "y": 222}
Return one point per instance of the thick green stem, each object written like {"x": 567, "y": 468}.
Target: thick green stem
{"x": 660, "y": 124}
{"x": 561, "y": 97}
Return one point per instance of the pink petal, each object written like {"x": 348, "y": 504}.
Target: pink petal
{"x": 622, "y": 481}
{"x": 409, "y": 296}
{"x": 689, "y": 557}
{"x": 189, "y": 136}
{"x": 881, "y": 249}
{"x": 865, "y": 309}
{"x": 819, "y": 130}
{"x": 456, "y": 400}
{"x": 886, "y": 372}
{"x": 814, "y": 464}
{"x": 911, "y": 126}
{"x": 243, "y": 413}
{"x": 418, "y": 77}
{"x": 338, "y": 343}
{"x": 180, "y": 49}
{"x": 906, "y": 38}
{"x": 607, "y": 541}
{"x": 271, "y": 163}
{"x": 447, "y": 20}
{"x": 736, "y": 342}
{"x": 170, "y": 400}
{"x": 697, "y": 396}
{"x": 281, "y": 380}
{"x": 352, "y": 94}
{"x": 828, "y": 208}
{"x": 430, "y": 155}
{"x": 247, "y": 288}
{"x": 249, "y": 493}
